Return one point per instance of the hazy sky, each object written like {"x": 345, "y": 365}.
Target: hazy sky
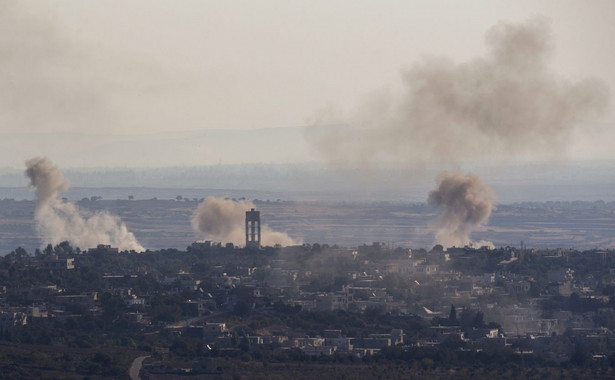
{"x": 138, "y": 67}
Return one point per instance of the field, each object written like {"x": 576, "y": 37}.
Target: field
{"x": 29, "y": 361}
{"x": 233, "y": 369}
{"x": 33, "y": 361}
{"x": 165, "y": 223}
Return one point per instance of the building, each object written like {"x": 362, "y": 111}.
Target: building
{"x": 88, "y": 300}
{"x": 104, "y": 249}
{"x": 253, "y": 229}
{"x": 10, "y": 319}
{"x": 213, "y": 330}
{"x": 55, "y": 263}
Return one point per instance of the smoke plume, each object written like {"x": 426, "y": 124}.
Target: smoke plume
{"x": 508, "y": 103}
{"x": 464, "y": 204}
{"x": 58, "y": 220}
{"x": 223, "y": 220}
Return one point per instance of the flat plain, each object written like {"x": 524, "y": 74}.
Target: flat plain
{"x": 165, "y": 223}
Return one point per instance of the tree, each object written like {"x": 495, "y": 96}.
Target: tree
{"x": 437, "y": 248}
{"x": 242, "y": 309}
{"x": 64, "y": 248}
{"x": 478, "y": 319}
{"x": 245, "y": 345}
{"x": 166, "y": 308}
{"x": 453, "y": 314}
{"x": 581, "y": 356}
{"x": 112, "y": 306}
{"x": 18, "y": 254}
{"x": 471, "y": 318}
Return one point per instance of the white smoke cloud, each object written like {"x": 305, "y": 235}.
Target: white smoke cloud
{"x": 223, "y": 220}
{"x": 464, "y": 204}
{"x": 58, "y": 220}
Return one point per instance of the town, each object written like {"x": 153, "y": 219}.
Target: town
{"x": 435, "y": 178}
{"x": 212, "y": 308}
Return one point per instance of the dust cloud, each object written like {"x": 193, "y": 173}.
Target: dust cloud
{"x": 58, "y": 220}
{"x": 464, "y": 204}
{"x": 223, "y": 220}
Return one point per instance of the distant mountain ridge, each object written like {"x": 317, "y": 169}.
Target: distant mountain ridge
{"x": 586, "y": 181}
{"x": 276, "y": 160}
{"x": 188, "y": 148}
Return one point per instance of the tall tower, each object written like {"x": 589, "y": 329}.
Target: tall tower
{"x": 253, "y": 229}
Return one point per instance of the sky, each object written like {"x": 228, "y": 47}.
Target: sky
{"x": 83, "y": 80}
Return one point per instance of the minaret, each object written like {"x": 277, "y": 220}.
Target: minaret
{"x": 253, "y": 229}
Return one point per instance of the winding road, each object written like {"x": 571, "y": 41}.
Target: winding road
{"x": 135, "y": 367}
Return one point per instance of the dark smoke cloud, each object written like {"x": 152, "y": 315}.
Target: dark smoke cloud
{"x": 223, "y": 220}
{"x": 58, "y": 220}
{"x": 464, "y": 204}
{"x": 505, "y": 104}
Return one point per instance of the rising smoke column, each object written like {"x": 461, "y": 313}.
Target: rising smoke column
{"x": 464, "y": 204}
{"x": 508, "y": 103}
{"x": 223, "y": 220}
{"x": 58, "y": 220}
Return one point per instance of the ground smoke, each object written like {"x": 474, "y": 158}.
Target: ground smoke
{"x": 464, "y": 203}
{"x": 58, "y": 220}
{"x": 223, "y": 220}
